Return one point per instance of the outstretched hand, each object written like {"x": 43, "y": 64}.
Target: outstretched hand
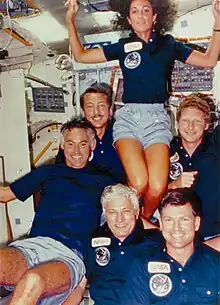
{"x": 216, "y": 10}
{"x": 72, "y": 9}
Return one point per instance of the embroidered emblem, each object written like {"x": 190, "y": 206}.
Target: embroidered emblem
{"x": 102, "y": 256}
{"x": 132, "y": 60}
{"x": 160, "y": 285}
{"x": 133, "y": 46}
{"x": 101, "y": 241}
{"x": 176, "y": 170}
{"x": 175, "y": 157}
{"x": 158, "y": 267}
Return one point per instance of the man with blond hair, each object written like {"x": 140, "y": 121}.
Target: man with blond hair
{"x": 195, "y": 157}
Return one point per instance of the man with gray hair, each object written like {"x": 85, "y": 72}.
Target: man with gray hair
{"x": 48, "y": 265}
{"x": 112, "y": 250}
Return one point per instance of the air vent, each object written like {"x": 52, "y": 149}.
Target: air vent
{"x": 184, "y": 23}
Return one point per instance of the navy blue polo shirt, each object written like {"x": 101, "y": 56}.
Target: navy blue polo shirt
{"x": 69, "y": 207}
{"x": 205, "y": 160}
{"x": 108, "y": 261}
{"x": 146, "y": 67}
{"x": 156, "y": 278}
{"x": 105, "y": 157}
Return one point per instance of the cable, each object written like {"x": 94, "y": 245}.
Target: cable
{"x": 63, "y": 62}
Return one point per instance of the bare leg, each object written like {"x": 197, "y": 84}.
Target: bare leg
{"x": 45, "y": 280}
{"x": 132, "y": 156}
{"x": 157, "y": 159}
{"x": 13, "y": 266}
{"x": 75, "y": 298}
{"x": 214, "y": 243}
{"x": 147, "y": 171}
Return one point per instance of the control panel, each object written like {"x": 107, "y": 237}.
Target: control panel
{"x": 186, "y": 78}
{"x": 48, "y": 99}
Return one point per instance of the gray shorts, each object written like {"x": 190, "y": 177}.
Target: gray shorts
{"x": 41, "y": 249}
{"x": 148, "y": 123}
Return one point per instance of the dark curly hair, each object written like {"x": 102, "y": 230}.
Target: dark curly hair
{"x": 166, "y": 11}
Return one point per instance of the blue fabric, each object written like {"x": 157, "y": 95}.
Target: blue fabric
{"x": 195, "y": 283}
{"x": 105, "y": 157}
{"x": 69, "y": 208}
{"x": 147, "y": 123}
{"x": 146, "y": 71}
{"x": 106, "y": 282}
{"x": 205, "y": 160}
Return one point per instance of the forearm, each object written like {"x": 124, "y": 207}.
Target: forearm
{"x": 172, "y": 185}
{"x": 76, "y": 46}
{"x": 6, "y": 194}
{"x": 213, "y": 50}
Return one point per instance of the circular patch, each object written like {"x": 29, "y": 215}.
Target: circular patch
{"x": 176, "y": 170}
{"x": 102, "y": 256}
{"x": 160, "y": 285}
{"x": 132, "y": 60}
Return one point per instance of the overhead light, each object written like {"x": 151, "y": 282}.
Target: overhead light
{"x": 45, "y": 27}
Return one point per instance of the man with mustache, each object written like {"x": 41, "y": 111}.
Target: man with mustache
{"x": 96, "y": 105}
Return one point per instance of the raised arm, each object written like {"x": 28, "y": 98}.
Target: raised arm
{"x": 210, "y": 57}
{"x": 80, "y": 55}
{"x": 6, "y": 194}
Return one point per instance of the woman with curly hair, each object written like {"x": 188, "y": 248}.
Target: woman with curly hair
{"x": 142, "y": 130}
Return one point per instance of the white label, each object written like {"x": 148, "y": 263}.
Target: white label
{"x": 158, "y": 267}
{"x": 133, "y": 46}
{"x": 101, "y": 241}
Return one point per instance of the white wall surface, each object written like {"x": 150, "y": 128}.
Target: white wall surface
{"x": 195, "y": 24}
{"x": 14, "y": 145}
{"x": 199, "y": 23}
{"x": 48, "y": 72}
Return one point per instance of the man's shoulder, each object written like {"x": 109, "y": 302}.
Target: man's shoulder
{"x": 108, "y": 135}
{"x": 176, "y": 149}
{"x": 176, "y": 142}
{"x": 210, "y": 254}
{"x": 151, "y": 253}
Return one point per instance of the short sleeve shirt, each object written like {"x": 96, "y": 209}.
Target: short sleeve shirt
{"x": 156, "y": 278}
{"x": 146, "y": 67}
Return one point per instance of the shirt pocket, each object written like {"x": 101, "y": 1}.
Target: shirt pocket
{"x": 206, "y": 295}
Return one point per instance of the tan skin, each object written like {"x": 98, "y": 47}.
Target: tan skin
{"x": 52, "y": 277}
{"x": 191, "y": 126}
{"x": 148, "y": 169}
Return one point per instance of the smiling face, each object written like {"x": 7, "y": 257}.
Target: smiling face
{"x": 121, "y": 216}
{"x": 96, "y": 109}
{"x": 178, "y": 225}
{"x": 77, "y": 147}
{"x": 141, "y": 16}
{"x": 191, "y": 126}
